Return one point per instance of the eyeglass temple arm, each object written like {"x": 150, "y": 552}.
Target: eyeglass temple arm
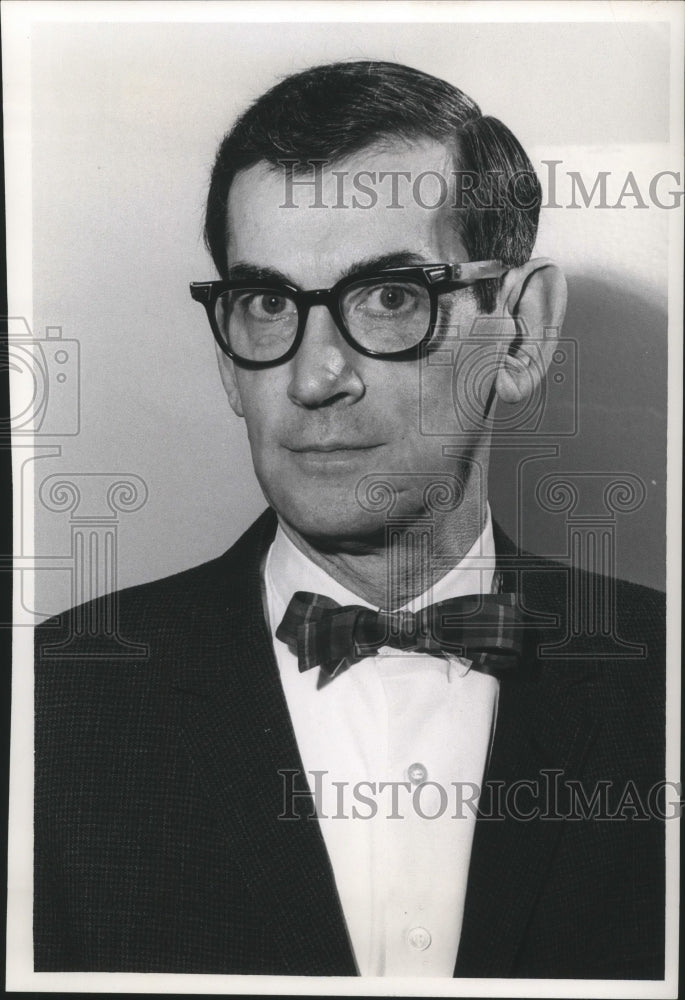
{"x": 469, "y": 272}
{"x": 201, "y": 290}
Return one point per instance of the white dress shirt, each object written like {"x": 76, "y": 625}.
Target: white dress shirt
{"x": 394, "y": 717}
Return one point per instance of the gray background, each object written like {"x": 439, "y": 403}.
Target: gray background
{"x": 126, "y": 119}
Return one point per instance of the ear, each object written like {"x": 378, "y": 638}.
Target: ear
{"x": 535, "y": 297}
{"x": 227, "y": 373}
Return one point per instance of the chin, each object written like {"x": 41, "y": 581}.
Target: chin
{"x": 333, "y": 526}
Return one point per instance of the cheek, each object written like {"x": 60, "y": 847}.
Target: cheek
{"x": 471, "y": 380}
{"x": 260, "y": 397}
{"x": 455, "y": 387}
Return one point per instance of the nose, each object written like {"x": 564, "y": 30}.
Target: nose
{"x": 324, "y": 370}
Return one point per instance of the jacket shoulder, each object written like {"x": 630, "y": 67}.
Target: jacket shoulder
{"x": 188, "y": 596}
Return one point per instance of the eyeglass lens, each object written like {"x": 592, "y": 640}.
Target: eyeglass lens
{"x": 383, "y": 316}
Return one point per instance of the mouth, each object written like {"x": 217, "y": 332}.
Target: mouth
{"x": 330, "y": 447}
{"x": 331, "y": 454}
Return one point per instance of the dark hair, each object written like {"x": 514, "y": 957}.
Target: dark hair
{"x": 330, "y": 112}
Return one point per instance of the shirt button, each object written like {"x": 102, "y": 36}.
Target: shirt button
{"x": 417, "y": 773}
{"x": 419, "y": 938}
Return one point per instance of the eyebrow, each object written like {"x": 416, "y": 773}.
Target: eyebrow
{"x": 245, "y": 271}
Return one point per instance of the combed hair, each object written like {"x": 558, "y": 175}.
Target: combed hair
{"x": 331, "y": 112}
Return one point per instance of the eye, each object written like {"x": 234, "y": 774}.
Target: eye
{"x": 392, "y": 297}
{"x": 267, "y": 306}
{"x": 386, "y": 300}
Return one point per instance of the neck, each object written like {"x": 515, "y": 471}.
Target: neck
{"x": 391, "y": 572}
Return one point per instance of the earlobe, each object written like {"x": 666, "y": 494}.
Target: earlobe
{"x": 535, "y": 297}
{"x": 228, "y": 379}
{"x": 516, "y": 378}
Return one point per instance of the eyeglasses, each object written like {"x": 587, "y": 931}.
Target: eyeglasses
{"x": 389, "y": 314}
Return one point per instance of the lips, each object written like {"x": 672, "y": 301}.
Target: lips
{"x": 332, "y": 457}
{"x": 331, "y": 446}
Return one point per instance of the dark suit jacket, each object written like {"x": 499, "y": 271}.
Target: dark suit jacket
{"x": 157, "y": 842}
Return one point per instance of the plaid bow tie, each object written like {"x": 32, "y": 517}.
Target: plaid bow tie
{"x": 487, "y": 629}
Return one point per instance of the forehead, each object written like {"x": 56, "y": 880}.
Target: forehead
{"x": 384, "y": 199}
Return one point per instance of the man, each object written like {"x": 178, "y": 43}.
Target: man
{"x": 260, "y": 786}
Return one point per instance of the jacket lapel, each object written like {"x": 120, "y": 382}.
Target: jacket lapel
{"x": 238, "y": 730}
{"x": 545, "y": 724}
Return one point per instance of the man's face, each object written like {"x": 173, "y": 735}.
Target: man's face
{"x": 330, "y": 416}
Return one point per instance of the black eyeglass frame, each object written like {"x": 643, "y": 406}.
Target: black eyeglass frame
{"x": 436, "y": 278}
